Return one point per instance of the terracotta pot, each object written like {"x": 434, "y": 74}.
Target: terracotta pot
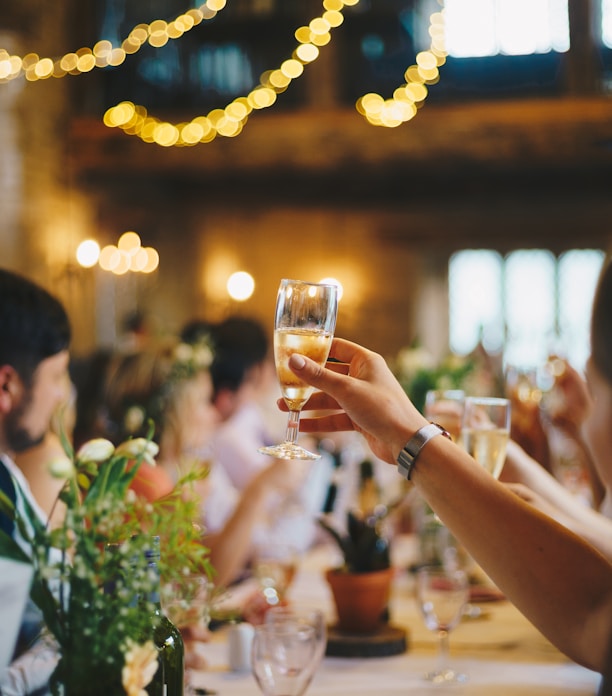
{"x": 360, "y": 598}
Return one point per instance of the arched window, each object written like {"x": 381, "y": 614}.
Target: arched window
{"x": 529, "y": 303}
{"x": 511, "y": 27}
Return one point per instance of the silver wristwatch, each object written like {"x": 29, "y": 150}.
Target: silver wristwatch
{"x": 412, "y": 449}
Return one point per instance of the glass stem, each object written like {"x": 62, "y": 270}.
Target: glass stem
{"x": 293, "y": 427}
{"x": 443, "y": 652}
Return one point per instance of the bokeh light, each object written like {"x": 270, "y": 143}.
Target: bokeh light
{"x": 88, "y": 253}
{"x": 240, "y": 286}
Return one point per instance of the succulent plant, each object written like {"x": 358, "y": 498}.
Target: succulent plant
{"x": 363, "y": 548}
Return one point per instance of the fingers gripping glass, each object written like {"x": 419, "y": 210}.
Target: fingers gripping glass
{"x": 304, "y": 323}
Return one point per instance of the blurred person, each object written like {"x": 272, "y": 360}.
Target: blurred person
{"x": 35, "y": 461}
{"x": 88, "y": 373}
{"x": 243, "y": 374}
{"x": 33, "y": 370}
{"x": 534, "y": 484}
{"x": 171, "y": 385}
{"x": 558, "y": 580}
{"x": 567, "y": 406}
{"x": 244, "y": 386}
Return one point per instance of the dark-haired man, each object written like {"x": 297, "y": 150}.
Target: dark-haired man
{"x": 34, "y": 341}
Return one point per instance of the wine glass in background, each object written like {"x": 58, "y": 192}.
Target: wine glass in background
{"x": 485, "y": 431}
{"x": 305, "y": 319}
{"x": 445, "y": 407}
{"x": 282, "y": 658}
{"x": 187, "y": 602}
{"x": 274, "y": 566}
{"x": 308, "y": 616}
{"x": 442, "y": 595}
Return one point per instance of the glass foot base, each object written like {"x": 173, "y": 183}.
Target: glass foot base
{"x": 446, "y": 676}
{"x": 286, "y": 450}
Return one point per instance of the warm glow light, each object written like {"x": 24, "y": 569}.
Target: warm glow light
{"x": 88, "y": 253}
{"x": 123, "y": 263}
{"x": 139, "y": 260}
{"x": 391, "y": 113}
{"x": 230, "y": 121}
{"x": 129, "y": 242}
{"x": 103, "y": 54}
{"x": 337, "y": 283}
{"x": 110, "y": 257}
{"x": 240, "y": 286}
{"x": 152, "y": 260}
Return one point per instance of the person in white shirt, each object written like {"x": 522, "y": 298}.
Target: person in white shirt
{"x": 34, "y": 356}
{"x": 245, "y": 387}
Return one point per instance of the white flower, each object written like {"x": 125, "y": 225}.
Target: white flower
{"x": 411, "y": 360}
{"x": 61, "y": 467}
{"x": 134, "y": 418}
{"x": 183, "y": 353}
{"x": 138, "y": 447}
{"x": 140, "y": 667}
{"x": 97, "y": 450}
{"x": 203, "y": 355}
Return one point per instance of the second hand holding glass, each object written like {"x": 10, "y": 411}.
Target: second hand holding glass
{"x": 304, "y": 322}
{"x": 486, "y": 430}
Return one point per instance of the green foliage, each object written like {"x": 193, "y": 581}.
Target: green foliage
{"x": 418, "y": 373}
{"x": 363, "y": 548}
{"x": 74, "y": 569}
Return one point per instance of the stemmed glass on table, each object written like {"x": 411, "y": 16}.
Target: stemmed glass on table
{"x": 283, "y": 658}
{"x": 442, "y": 595}
{"x": 187, "y": 602}
{"x": 305, "y": 319}
{"x": 308, "y": 616}
{"x": 274, "y": 566}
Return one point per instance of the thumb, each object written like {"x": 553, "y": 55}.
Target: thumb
{"x": 307, "y": 369}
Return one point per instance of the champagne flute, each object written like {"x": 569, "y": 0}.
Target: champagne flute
{"x": 274, "y": 566}
{"x": 282, "y": 658}
{"x": 445, "y": 407}
{"x": 305, "y": 319}
{"x": 308, "y": 616}
{"x": 442, "y": 595}
{"x": 485, "y": 431}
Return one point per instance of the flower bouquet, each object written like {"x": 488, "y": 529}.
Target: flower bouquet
{"x": 105, "y": 639}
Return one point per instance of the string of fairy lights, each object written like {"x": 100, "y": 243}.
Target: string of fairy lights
{"x": 229, "y": 121}
{"x": 104, "y": 54}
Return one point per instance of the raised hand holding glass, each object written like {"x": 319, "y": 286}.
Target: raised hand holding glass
{"x": 305, "y": 320}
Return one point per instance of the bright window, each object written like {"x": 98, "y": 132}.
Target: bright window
{"x": 529, "y": 303}
{"x": 512, "y": 27}
{"x": 606, "y": 22}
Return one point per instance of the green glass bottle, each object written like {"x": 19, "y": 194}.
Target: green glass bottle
{"x": 171, "y": 671}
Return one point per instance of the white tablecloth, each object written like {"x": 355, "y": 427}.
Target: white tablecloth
{"x": 502, "y": 654}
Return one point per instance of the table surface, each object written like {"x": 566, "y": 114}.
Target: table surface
{"x": 499, "y": 650}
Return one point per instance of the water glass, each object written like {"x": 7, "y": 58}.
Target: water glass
{"x": 445, "y": 407}
{"x": 283, "y": 658}
{"x": 302, "y": 616}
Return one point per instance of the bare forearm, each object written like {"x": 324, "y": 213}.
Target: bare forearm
{"x": 566, "y": 507}
{"x": 558, "y": 581}
{"x": 230, "y": 547}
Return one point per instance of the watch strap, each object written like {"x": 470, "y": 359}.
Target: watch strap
{"x": 412, "y": 449}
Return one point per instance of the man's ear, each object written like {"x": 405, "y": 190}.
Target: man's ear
{"x": 11, "y": 387}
